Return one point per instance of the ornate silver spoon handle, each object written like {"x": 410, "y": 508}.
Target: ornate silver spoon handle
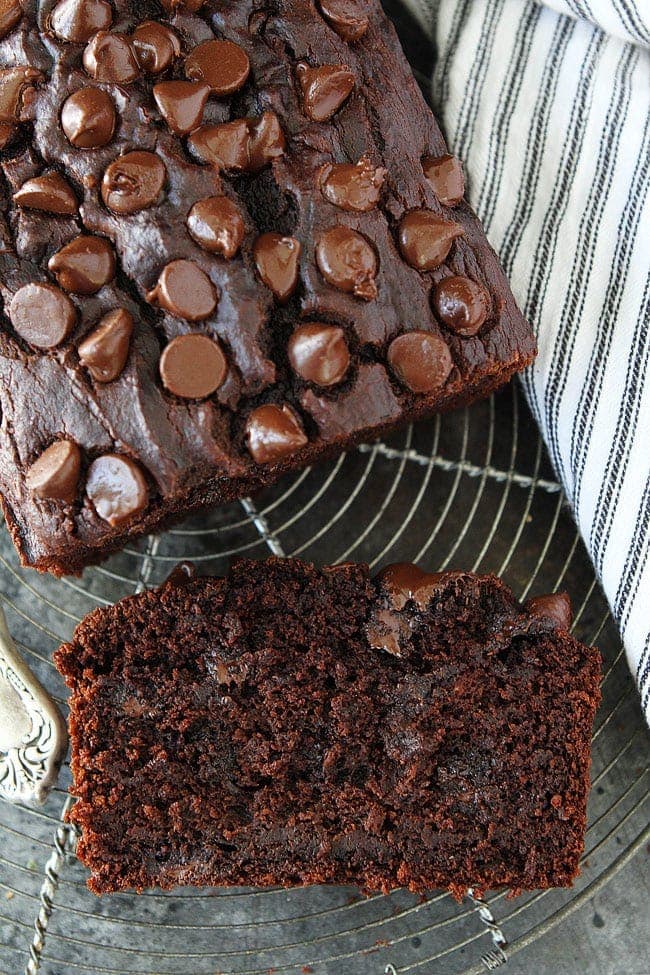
{"x": 33, "y": 735}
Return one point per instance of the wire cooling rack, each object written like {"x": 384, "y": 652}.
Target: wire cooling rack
{"x": 471, "y": 490}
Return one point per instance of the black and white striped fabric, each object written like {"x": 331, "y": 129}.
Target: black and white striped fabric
{"x": 548, "y": 104}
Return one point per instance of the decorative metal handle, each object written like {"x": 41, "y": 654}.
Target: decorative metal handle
{"x": 33, "y": 734}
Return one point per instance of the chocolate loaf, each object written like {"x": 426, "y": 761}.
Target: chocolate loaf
{"x": 233, "y": 244}
{"x": 289, "y": 725}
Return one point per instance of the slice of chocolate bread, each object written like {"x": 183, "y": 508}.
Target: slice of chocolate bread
{"x": 290, "y": 725}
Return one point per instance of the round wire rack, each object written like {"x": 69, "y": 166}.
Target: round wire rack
{"x": 471, "y": 490}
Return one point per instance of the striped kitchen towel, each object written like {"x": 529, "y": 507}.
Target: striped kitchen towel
{"x": 548, "y": 104}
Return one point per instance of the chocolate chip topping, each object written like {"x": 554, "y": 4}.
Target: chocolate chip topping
{"x": 15, "y": 85}
{"x": 105, "y": 351}
{"x": 181, "y": 104}
{"x": 49, "y": 192}
{"x": 555, "y": 607}
{"x": 111, "y": 57}
{"x": 133, "y": 182}
{"x": 184, "y": 290}
{"x": 353, "y": 187}
{"x": 420, "y": 360}
{"x": 84, "y": 265}
{"x": 155, "y": 45}
{"x": 319, "y": 353}
{"x": 181, "y": 574}
{"x": 324, "y": 89}
{"x": 77, "y": 20}
{"x": 245, "y": 144}
{"x": 348, "y": 262}
{"x": 88, "y": 118}
{"x": 278, "y": 262}
{"x": 445, "y": 173}
{"x": 116, "y": 488}
{"x": 222, "y": 65}
{"x": 193, "y": 366}
{"x": 273, "y": 432}
{"x": 425, "y": 239}
{"x": 10, "y": 13}
{"x": 55, "y": 475}
{"x": 217, "y": 225}
{"x": 404, "y": 581}
{"x": 42, "y": 315}
{"x": 346, "y": 17}
{"x": 461, "y": 304}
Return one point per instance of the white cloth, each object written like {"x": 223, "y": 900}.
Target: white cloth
{"x": 548, "y": 105}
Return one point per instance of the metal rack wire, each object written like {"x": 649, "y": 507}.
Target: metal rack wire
{"x": 473, "y": 489}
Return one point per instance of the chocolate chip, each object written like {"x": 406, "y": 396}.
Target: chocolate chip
{"x": 116, "y": 488}
{"x": 319, "y": 353}
{"x": 445, "y": 173}
{"x": 348, "y": 262}
{"x": 246, "y": 144}
{"x": 555, "y": 607}
{"x": 273, "y": 432}
{"x": 353, "y": 187}
{"x": 404, "y": 581}
{"x": 278, "y": 260}
{"x": 462, "y": 304}
{"x": 133, "y": 182}
{"x": 193, "y": 366}
{"x": 84, "y": 265}
{"x": 345, "y": 17}
{"x": 15, "y": 83}
{"x": 420, "y": 360}
{"x": 155, "y": 45}
{"x": 7, "y": 131}
{"x": 217, "y": 225}
{"x": 77, "y": 20}
{"x": 10, "y": 13}
{"x": 88, "y": 118}
{"x": 184, "y": 290}
{"x": 324, "y": 89}
{"x": 55, "y": 475}
{"x": 222, "y": 65}
{"x": 111, "y": 57}
{"x": 49, "y": 192}
{"x": 104, "y": 352}
{"x": 425, "y": 239}
{"x": 181, "y": 104}
{"x": 181, "y": 575}
{"x": 42, "y": 315}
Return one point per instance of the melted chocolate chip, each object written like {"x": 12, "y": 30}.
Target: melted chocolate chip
{"x": 117, "y": 488}
{"x": 425, "y": 239}
{"x": 181, "y": 104}
{"x": 55, "y": 475}
{"x": 346, "y": 17}
{"x": 77, "y": 20}
{"x": 181, "y": 574}
{"x": 133, "y": 182}
{"x": 217, "y": 225}
{"x": 15, "y": 85}
{"x": 324, "y": 89}
{"x": 246, "y": 144}
{"x": 273, "y": 432}
{"x": 49, "y": 193}
{"x": 445, "y": 173}
{"x": 222, "y": 65}
{"x": 555, "y": 607}
{"x": 353, "y": 187}
{"x": 193, "y": 366}
{"x": 266, "y": 141}
{"x": 88, "y": 118}
{"x": 462, "y": 304}
{"x": 403, "y": 581}
{"x": 184, "y": 290}
{"x": 278, "y": 262}
{"x": 111, "y": 57}
{"x": 105, "y": 351}
{"x": 387, "y": 630}
{"x": 10, "y": 13}
{"x": 84, "y": 265}
{"x": 420, "y": 360}
{"x": 155, "y": 45}
{"x": 319, "y": 354}
{"x": 348, "y": 262}
{"x": 42, "y": 315}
